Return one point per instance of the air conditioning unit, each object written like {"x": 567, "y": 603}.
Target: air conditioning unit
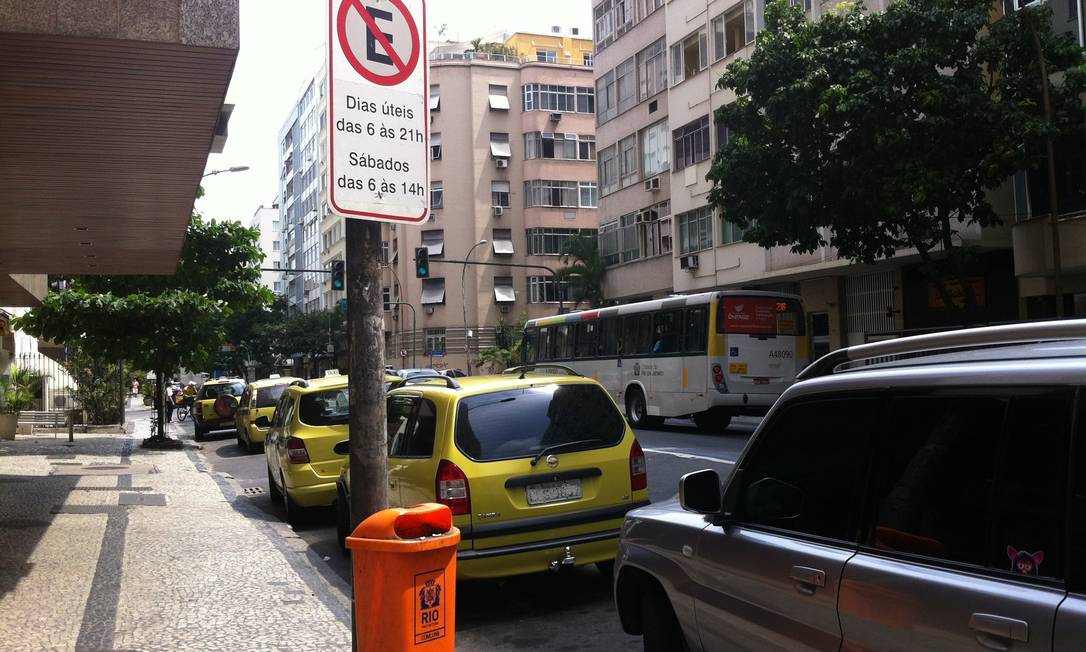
{"x": 501, "y": 162}
{"x": 555, "y": 117}
{"x": 652, "y": 185}
{"x": 689, "y": 262}
{"x": 498, "y": 210}
{"x": 1019, "y": 5}
{"x": 642, "y": 216}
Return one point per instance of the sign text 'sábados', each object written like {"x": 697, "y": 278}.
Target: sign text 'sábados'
{"x": 378, "y": 115}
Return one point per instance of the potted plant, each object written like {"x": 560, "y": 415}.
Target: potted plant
{"x": 14, "y": 398}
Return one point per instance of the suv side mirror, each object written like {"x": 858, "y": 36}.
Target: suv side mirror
{"x": 699, "y": 492}
{"x": 262, "y": 422}
{"x": 342, "y": 448}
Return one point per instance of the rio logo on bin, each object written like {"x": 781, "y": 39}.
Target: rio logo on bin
{"x": 429, "y": 606}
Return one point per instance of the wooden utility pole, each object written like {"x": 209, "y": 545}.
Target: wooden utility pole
{"x": 366, "y": 352}
{"x": 1053, "y": 191}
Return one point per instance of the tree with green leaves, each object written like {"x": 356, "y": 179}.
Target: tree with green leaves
{"x": 310, "y": 335}
{"x": 882, "y": 132}
{"x": 477, "y": 45}
{"x": 506, "y": 350}
{"x": 161, "y": 323}
{"x": 255, "y": 337}
{"x": 96, "y": 386}
{"x": 584, "y": 271}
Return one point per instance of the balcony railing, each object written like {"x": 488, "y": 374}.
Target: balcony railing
{"x": 505, "y": 58}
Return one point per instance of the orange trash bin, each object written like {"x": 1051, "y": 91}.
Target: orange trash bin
{"x": 404, "y": 567}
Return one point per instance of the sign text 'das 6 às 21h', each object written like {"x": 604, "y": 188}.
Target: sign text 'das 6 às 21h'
{"x": 378, "y": 117}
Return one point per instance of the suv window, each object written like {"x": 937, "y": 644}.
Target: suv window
{"x": 977, "y": 479}
{"x": 269, "y": 396}
{"x": 412, "y": 424}
{"x": 807, "y": 470}
{"x": 522, "y": 422}
{"x": 328, "y": 407}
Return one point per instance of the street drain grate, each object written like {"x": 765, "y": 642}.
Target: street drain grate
{"x": 253, "y": 491}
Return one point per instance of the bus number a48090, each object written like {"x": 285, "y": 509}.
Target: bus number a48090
{"x": 780, "y": 354}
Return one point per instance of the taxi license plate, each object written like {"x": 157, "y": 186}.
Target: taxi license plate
{"x": 553, "y": 492}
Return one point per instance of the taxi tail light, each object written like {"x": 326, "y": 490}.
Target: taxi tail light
{"x": 718, "y": 375}
{"x": 452, "y": 488}
{"x": 296, "y": 451}
{"x": 639, "y": 476}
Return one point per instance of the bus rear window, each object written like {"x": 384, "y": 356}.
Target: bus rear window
{"x": 768, "y": 316}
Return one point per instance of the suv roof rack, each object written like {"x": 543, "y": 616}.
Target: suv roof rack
{"x": 524, "y": 369}
{"x": 934, "y": 343}
{"x": 449, "y": 382}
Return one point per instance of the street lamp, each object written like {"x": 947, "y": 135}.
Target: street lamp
{"x": 236, "y": 168}
{"x": 464, "y": 301}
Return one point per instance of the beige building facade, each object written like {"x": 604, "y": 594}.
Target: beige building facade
{"x": 512, "y": 167}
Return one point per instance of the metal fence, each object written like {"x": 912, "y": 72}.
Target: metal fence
{"x": 56, "y": 387}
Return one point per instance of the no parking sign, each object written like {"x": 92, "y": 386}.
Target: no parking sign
{"x": 378, "y": 116}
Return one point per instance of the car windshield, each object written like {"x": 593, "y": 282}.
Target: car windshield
{"x": 269, "y": 396}
{"x": 522, "y": 422}
{"x": 215, "y": 391}
{"x": 325, "y": 408}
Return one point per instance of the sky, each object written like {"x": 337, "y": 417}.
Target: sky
{"x": 282, "y": 47}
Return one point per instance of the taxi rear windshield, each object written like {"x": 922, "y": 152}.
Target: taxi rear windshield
{"x": 769, "y": 316}
{"x": 215, "y": 391}
{"x": 326, "y": 408}
{"x": 522, "y": 422}
{"x": 269, "y": 396}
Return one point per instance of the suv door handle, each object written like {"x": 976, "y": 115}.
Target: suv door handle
{"x": 996, "y": 632}
{"x": 808, "y": 579}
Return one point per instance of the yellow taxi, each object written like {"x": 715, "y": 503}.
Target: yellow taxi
{"x": 391, "y": 380}
{"x": 309, "y": 419}
{"x": 255, "y": 409}
{"x": 538, "y": 466}
{"x": 215, "y": 406}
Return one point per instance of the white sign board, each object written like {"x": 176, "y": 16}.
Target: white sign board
{"x": 378, "y": 114}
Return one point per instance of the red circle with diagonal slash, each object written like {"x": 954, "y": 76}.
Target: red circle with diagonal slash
{"x": 405, "y": 67}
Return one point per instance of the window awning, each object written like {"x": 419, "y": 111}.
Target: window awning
{"x": 434, "y": 241}
{"x": 435, "y": 102}
{"x": 503, "y": 244}
{"x": 499, "y": 102}
{"x": 433, "y": 290}
{"x": 500, "y": 150}
{"x": 435, "y": 140}
{"x": 503, "y": 290}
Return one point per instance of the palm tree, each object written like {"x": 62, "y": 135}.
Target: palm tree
{"x": 585, "y": 274}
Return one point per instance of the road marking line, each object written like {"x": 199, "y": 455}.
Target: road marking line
{"x": 689, "y": 456}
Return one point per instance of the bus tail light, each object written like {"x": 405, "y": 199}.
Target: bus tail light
{"x": 452, "y": 488}
{"x": 718, "y": 375}
{"x": 639, "y": 477}
{"x": 296, "y": 452}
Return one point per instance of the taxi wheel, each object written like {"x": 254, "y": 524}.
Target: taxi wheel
{"x": 637, "y": 412}
{"x": 343, "y": 520}
{"x": 714, "y": 420}
{"x": 273, "y": 490}
{"x": 662, "y": 632}
{"x": 296, "y": 514}
{"x": 242, "y": 444}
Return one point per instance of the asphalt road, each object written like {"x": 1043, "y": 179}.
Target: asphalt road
{"x": 569, "y": 611}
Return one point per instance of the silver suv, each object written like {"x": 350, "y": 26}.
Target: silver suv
{"x": 927, "y": 493}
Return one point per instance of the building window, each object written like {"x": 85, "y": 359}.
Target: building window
{"x": 437, "y": 194}
{"x": 499, "y": 194}
{"x": 608, "y": 169}
{"x": 730, "y": 232}
{"x": 689, "y": 56}
{"x": 586, "y": 59}
{"x": 435, "y": 341}
{"x": 384, "y": 252}
{"x": 723, "y": 135}
{"x": 551, "y": 242}
{"x": 626, "y": 84}
{"x": 542, "y": 289}
{"x": 604, "y": 17}
{"x": 435, "y": 147}
{"x": 435, "y": 97}
{"x": 503, "y": 290}
{"x": 605, "y": 95}
{"x": 696, "y": 230}
{"x": 691, "y": 143}
{"x": 433, "y": 291}
{"x": 628, "y": 163}
{"x": 559, "y": 194}
{"x": 733, "y": 30}
{"x": 546, "y": 56}
{"x": 503, "y": 242}
{"x": 498, "y": 96}
{"x": 499, "y": 146}
{"x": 386, "y": 298}
{"x": 275, "y": 245}
{"x": 590, "y": 194}
{"x": 434, "y": 241}
{"x": 559, "y": 99}
{"x": 551, "y": 145}
{"x": 655, "y": 149}
{"x": 652, "y": 69}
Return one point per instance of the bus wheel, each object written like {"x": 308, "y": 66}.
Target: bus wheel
{"x": 713, "y": 420}
{"x": 637, "y": 412}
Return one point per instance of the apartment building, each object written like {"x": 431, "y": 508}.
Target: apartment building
{"x": 266, "y": 221}
{"x": 656, "y": 71}
{"x": 513, "y": 175}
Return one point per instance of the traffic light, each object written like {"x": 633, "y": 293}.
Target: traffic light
{"x": 422, "y": 262}
{"x": 338, "y": 272}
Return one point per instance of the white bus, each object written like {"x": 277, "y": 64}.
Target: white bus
{"x": 710, "y": 356}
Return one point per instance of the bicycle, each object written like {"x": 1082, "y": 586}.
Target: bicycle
{"x": 184, "y": 409}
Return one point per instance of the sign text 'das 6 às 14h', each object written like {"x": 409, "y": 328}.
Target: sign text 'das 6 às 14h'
{"x": 378, "y": 116}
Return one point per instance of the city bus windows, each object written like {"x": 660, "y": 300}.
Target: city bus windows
{"x": 563, "y": 349}
{"x": 610, "y": 337}
{"x": 586, "y": 339}
{"x": 637, "y": 334}
{"x": 665, "y": 329}
{"x": 696, "y": 329}
{"x": 545, "y": 344}
{"x": 530, "y": 346}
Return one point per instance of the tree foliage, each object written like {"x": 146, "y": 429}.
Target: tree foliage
{"x": 96, "y": 388}
{"x": 477, "y": 45}
{"x": 585, "y": 273}
{"x": 874, "y": 133}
